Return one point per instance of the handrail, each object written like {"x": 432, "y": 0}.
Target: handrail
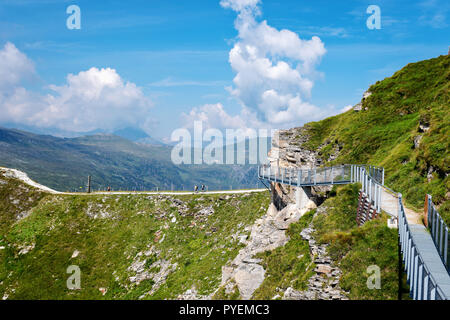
{"x": 428, "y": 276}
{"x": 439, "y": 231}
{"x": 423, "y": 281}
{"x": 370, "y": 177}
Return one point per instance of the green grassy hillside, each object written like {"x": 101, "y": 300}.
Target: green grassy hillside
{"x": 126, "y": 246}
{"x": 356, "y": 248}
{"x": 411, "y": 106}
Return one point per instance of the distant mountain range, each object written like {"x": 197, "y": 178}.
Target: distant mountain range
{"x": 129, "y": 133}
{"x": 65, "y": 163}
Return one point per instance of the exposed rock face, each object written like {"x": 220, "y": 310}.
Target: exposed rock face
{"x": 359, "y": 106}
{"x": 288, "y": 152}
{"x": 158, "y": 271}
{"x": 424, "y": 126}
{"x": 268, "y": 233}
{"x": 417, "y": 140}
{"x": 192, "y": 294}
{"x": 324, "y": 284}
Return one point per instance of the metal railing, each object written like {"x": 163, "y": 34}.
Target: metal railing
{"x": 372, "y": 180}
{"x": 423, "y": 281}
{"x": 370, "y": 177}
{"x": 422, "y": 252}
{"x": 439, "y": 231}
{"x": 306, "y": 177}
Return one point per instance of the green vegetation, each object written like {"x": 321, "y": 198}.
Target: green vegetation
{"x": 106, "y": 235}
{"x": 64, "y": 164}
{"x": 413, "y": 102}
{"x": 16, "y": 199}
{"x": 287, "y": 266}
{"x": 356, "y": 248}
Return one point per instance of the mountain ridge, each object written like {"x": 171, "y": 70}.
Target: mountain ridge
{"x": 64, "y": 164}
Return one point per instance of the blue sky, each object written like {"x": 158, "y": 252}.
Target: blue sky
{"x": 177, "y": 52}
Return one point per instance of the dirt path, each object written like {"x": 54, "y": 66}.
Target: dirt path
{"x": 389, "y": 203}
{"x": 22, "y": 176}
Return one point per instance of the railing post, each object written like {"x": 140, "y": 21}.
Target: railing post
{"x": 415, "y": 276}
{"x": 441, "y": 240}
{"x": 426, "y": 282}
{"x": 365, "y": 182}
{"x": 420, "y": 283}
{"x": 332, "y": 176}
{"x": 381, "y": 191}
{"x": 429, "y": 210}
{"x": 446, "y": 249}
{"x": 299, "y": 172}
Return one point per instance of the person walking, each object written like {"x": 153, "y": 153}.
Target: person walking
{"x": 195, "y": 188}
{"x": 203, "y": 188}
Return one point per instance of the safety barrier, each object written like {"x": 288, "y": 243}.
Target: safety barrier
{"x": 426, "y": 256}
{"x": 439, "y": 231}
{"x": 428, "y": 279}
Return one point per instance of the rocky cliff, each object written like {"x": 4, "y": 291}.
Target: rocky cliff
{"x": 289, "y": 151}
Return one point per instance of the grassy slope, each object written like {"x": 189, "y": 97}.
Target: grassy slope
{"x": 356, "y": 248}
{"x": 59, "y": 225}
{"x": 287, "y": 266}
{"x": 15, "y": 199}
{"x": 384, "y": 133}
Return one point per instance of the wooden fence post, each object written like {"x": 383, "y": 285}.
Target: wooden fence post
{"x": 426, "y": 210}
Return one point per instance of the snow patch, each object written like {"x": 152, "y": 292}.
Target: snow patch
{"x": 22, "y": 176}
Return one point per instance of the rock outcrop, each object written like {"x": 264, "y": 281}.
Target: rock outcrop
{"x": 288, "y": 152}
{"x": 324, "y": 284}
{"x": 268, "y": 233}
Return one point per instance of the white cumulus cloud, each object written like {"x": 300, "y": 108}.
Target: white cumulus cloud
{"x": 14, "y": 67}
{"x": 240, "y": 5}
{"x": 92, "y": 99}
{"x": 275, "y": 72}
{"x": 212, "y": 116}
{"x": 274, "y": 68}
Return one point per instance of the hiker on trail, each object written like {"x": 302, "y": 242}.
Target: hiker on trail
{"x": 195, "y": 188}
{"x": 203, "y": 188}
{"x": 109, "y": 189}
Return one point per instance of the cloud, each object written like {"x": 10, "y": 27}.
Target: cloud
{"x": 169, "y": 82}
{"x": 14, "y": 67}
{"x": 212, "y": 116}
{"x": 240, "y": 5}
{"x": 434, "y": 13}
{"x": 92, "y": 99}
{"x": 275, "y": 69}
{"x": 338, "y": 32}
{"x": 346, "y": 108}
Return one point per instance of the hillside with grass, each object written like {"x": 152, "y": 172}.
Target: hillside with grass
{"x": 356, "y": 248}
{"x": 403, "y": 125}
{"x": 126, "y": 246}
